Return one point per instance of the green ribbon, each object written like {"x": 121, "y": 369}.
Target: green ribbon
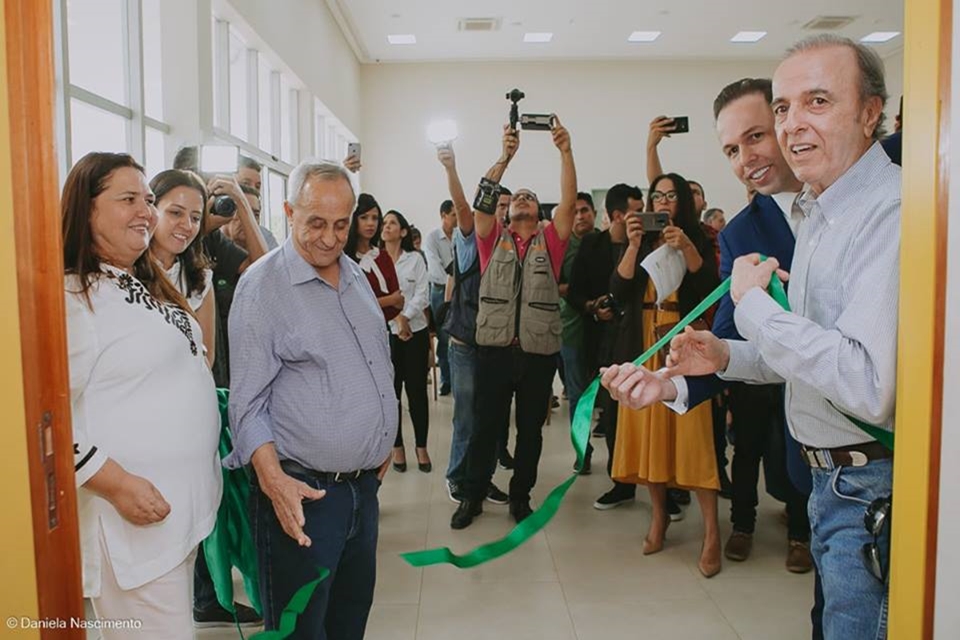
{"x": 579, "y": 434}
{"x": 296, "y": 606}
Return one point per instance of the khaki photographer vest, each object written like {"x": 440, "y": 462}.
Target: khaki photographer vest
{"x": 532, "y": 283}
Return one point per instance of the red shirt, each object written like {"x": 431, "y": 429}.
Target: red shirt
{"x": 555, "y": 248}
{"x": 388, "y": 269}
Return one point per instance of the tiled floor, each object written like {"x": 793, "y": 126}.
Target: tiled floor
{"x": 583, "y": 578}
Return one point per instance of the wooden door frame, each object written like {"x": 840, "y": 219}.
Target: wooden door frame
{"x": 923, "y": 262}
{"x": 31, "y": 152}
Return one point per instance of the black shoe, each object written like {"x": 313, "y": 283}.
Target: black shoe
{"x": 587, "y": 467}
{"x": 520, "y": 510}
{"x": 455, "y": 492}
{"x": 425, "y": 467}
{"x": 614, "y": 498}
{"x": 674, "y": 510}
{"x": 599, "y": 432}
{"x": 505, "y": 460}
{"x": 496, "y": 496}
{"x": 400, "y": 467}
{"x": 680, "y": 496}
{"x": 465, "y": 513}
{"x": 217, "y": 616}
{"x": 445, "y": 390}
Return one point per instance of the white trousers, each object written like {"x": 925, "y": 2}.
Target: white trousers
{"x": 163, "y": 607}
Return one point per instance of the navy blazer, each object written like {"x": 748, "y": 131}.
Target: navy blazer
{"x": 759, "y": 228}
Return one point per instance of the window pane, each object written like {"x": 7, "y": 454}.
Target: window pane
{"x": 93, "y": 129}
{"x": 97, "y": 47}
{"x": 155, "y": 162}
{"x": 152, "y": 65}
{"x": 319, "y": 131}
{"x": 330, "y": 153}
{"x": 288, "y": 121}
{"x": 265, "y": 114}
{"x": 273, "y": 217}
{"x": 238, "y": 86}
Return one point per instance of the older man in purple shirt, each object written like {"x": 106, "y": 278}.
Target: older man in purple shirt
{"x": 313, "y": 409}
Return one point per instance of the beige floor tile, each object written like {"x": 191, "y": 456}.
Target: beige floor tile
{"x": 678, "y": 620}
{"x": 393, "y": 622}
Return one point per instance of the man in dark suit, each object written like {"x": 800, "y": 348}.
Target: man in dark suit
{"x": 745, "y": 124}
{"x": 589, "y": 293}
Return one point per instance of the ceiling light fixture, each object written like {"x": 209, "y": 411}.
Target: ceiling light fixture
{"x": 539, "y": 38}
{"x": 880, "y": 36}
{"x": 748, "y": 36}
{"x": 404, "y": 38}
{"x": 643, "y": 36}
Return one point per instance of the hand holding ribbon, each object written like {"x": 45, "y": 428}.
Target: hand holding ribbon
{"x": 753, "y": 271}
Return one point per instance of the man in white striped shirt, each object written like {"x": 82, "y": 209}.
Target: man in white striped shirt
{"x": 836, "y": 350}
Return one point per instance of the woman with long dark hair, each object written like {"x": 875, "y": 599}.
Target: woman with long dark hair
{"x": 655, "y": 446}
{"x": 145, "y": 420}
{"x": 181, "y": 200}
{"x": 363, "y": 246}
{"x": 409, "y": 336}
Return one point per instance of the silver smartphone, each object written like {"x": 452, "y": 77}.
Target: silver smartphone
{"x": 353, "y": 149}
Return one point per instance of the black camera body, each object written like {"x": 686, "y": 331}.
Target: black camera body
{"x": 223, "y": 206}
{"x": 515, "y": 96}
{"x": 488, "y": 195}
{"x": 611, "y": 303}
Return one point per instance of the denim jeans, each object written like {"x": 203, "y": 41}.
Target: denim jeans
{"x": 436, "y": 301}
{"x": 855, "y": 602}
{"x": 343, "y": 527}
{"x": 204, "y": 593}
{"x": 574, "y": 375}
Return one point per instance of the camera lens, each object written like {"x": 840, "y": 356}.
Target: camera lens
{"x": 223, "y": 206}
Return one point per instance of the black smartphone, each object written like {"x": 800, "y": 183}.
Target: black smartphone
{"x": 681, "y": 124}
{"x": 654, "y": 222}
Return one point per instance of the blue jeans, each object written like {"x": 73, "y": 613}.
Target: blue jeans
{"x": 855, "y": 602}
{"x": 343, "y": 527}
{"x": 575, "y": 375}
{"x": 463, "y": 373}
{"x": 436, "y": 301}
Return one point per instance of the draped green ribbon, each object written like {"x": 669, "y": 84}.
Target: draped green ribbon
{"x": 297, "y": 605}
{"x": 579, "y": 434}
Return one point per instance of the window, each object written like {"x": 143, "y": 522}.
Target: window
{"x": 96, "y": 34}
{"x": 319, "y": 132}
{"x": 265, "y": 104}
{"x": 114, "y": 98}
{"x": 94, "y": 129}
{"x": 272, "y": 216}
{"x": 152, "y": 60}
{"x": 289, "y": 114}
{"x": 238, "y": 87}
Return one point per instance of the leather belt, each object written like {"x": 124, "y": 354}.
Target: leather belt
{"x": 663, "y": 306}
{"x": 857, "y": 455}
{"x": 327, "y": 477}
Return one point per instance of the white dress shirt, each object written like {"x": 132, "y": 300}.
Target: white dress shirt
{"x": 837, "y": 348}
{"x": 439, "y": 251}
{"x": 415, "y": 287}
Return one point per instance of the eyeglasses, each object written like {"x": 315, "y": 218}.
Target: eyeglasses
{"x": 659, "y": 196}
{"x": 523, "y": 195}
{"x": 874, "y": 520}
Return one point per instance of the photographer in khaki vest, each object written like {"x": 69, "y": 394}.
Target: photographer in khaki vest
{"x": 518, "y": 328}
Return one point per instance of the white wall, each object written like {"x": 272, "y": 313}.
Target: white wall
{"x": 607, "y": 106}
{"x": 947, "y": 614}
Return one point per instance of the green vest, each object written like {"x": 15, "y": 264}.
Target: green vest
{"x": 506, "y": 283}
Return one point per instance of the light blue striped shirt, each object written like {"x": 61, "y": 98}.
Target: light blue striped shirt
{"x": 466, "y": 249}
{"x": 310, "y": 366}
{"x": 839, "y": 343}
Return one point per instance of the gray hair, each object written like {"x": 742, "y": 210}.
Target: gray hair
{"x": 709, "y": 214}
{"x": 872, "y": 82}
{"x": 319, "y": 170}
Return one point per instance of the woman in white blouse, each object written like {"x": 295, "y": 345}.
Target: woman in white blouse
{"x": 144, "y": 407}
{"x": 181, "y": 204}
{"x": 409, "y": 336}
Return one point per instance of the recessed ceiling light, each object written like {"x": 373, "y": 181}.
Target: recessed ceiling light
{"x": 880, "y": 36}
{"x": 404, "y": 38}
{"x": 748, "y": 36}
{"x": 643, "y": 36}
{"x": 537, "y": 37}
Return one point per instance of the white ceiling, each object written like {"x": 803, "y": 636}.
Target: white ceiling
{"x": 692, "y": 29}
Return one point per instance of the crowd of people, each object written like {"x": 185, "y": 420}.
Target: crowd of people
{"x": 322, "y": 339}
